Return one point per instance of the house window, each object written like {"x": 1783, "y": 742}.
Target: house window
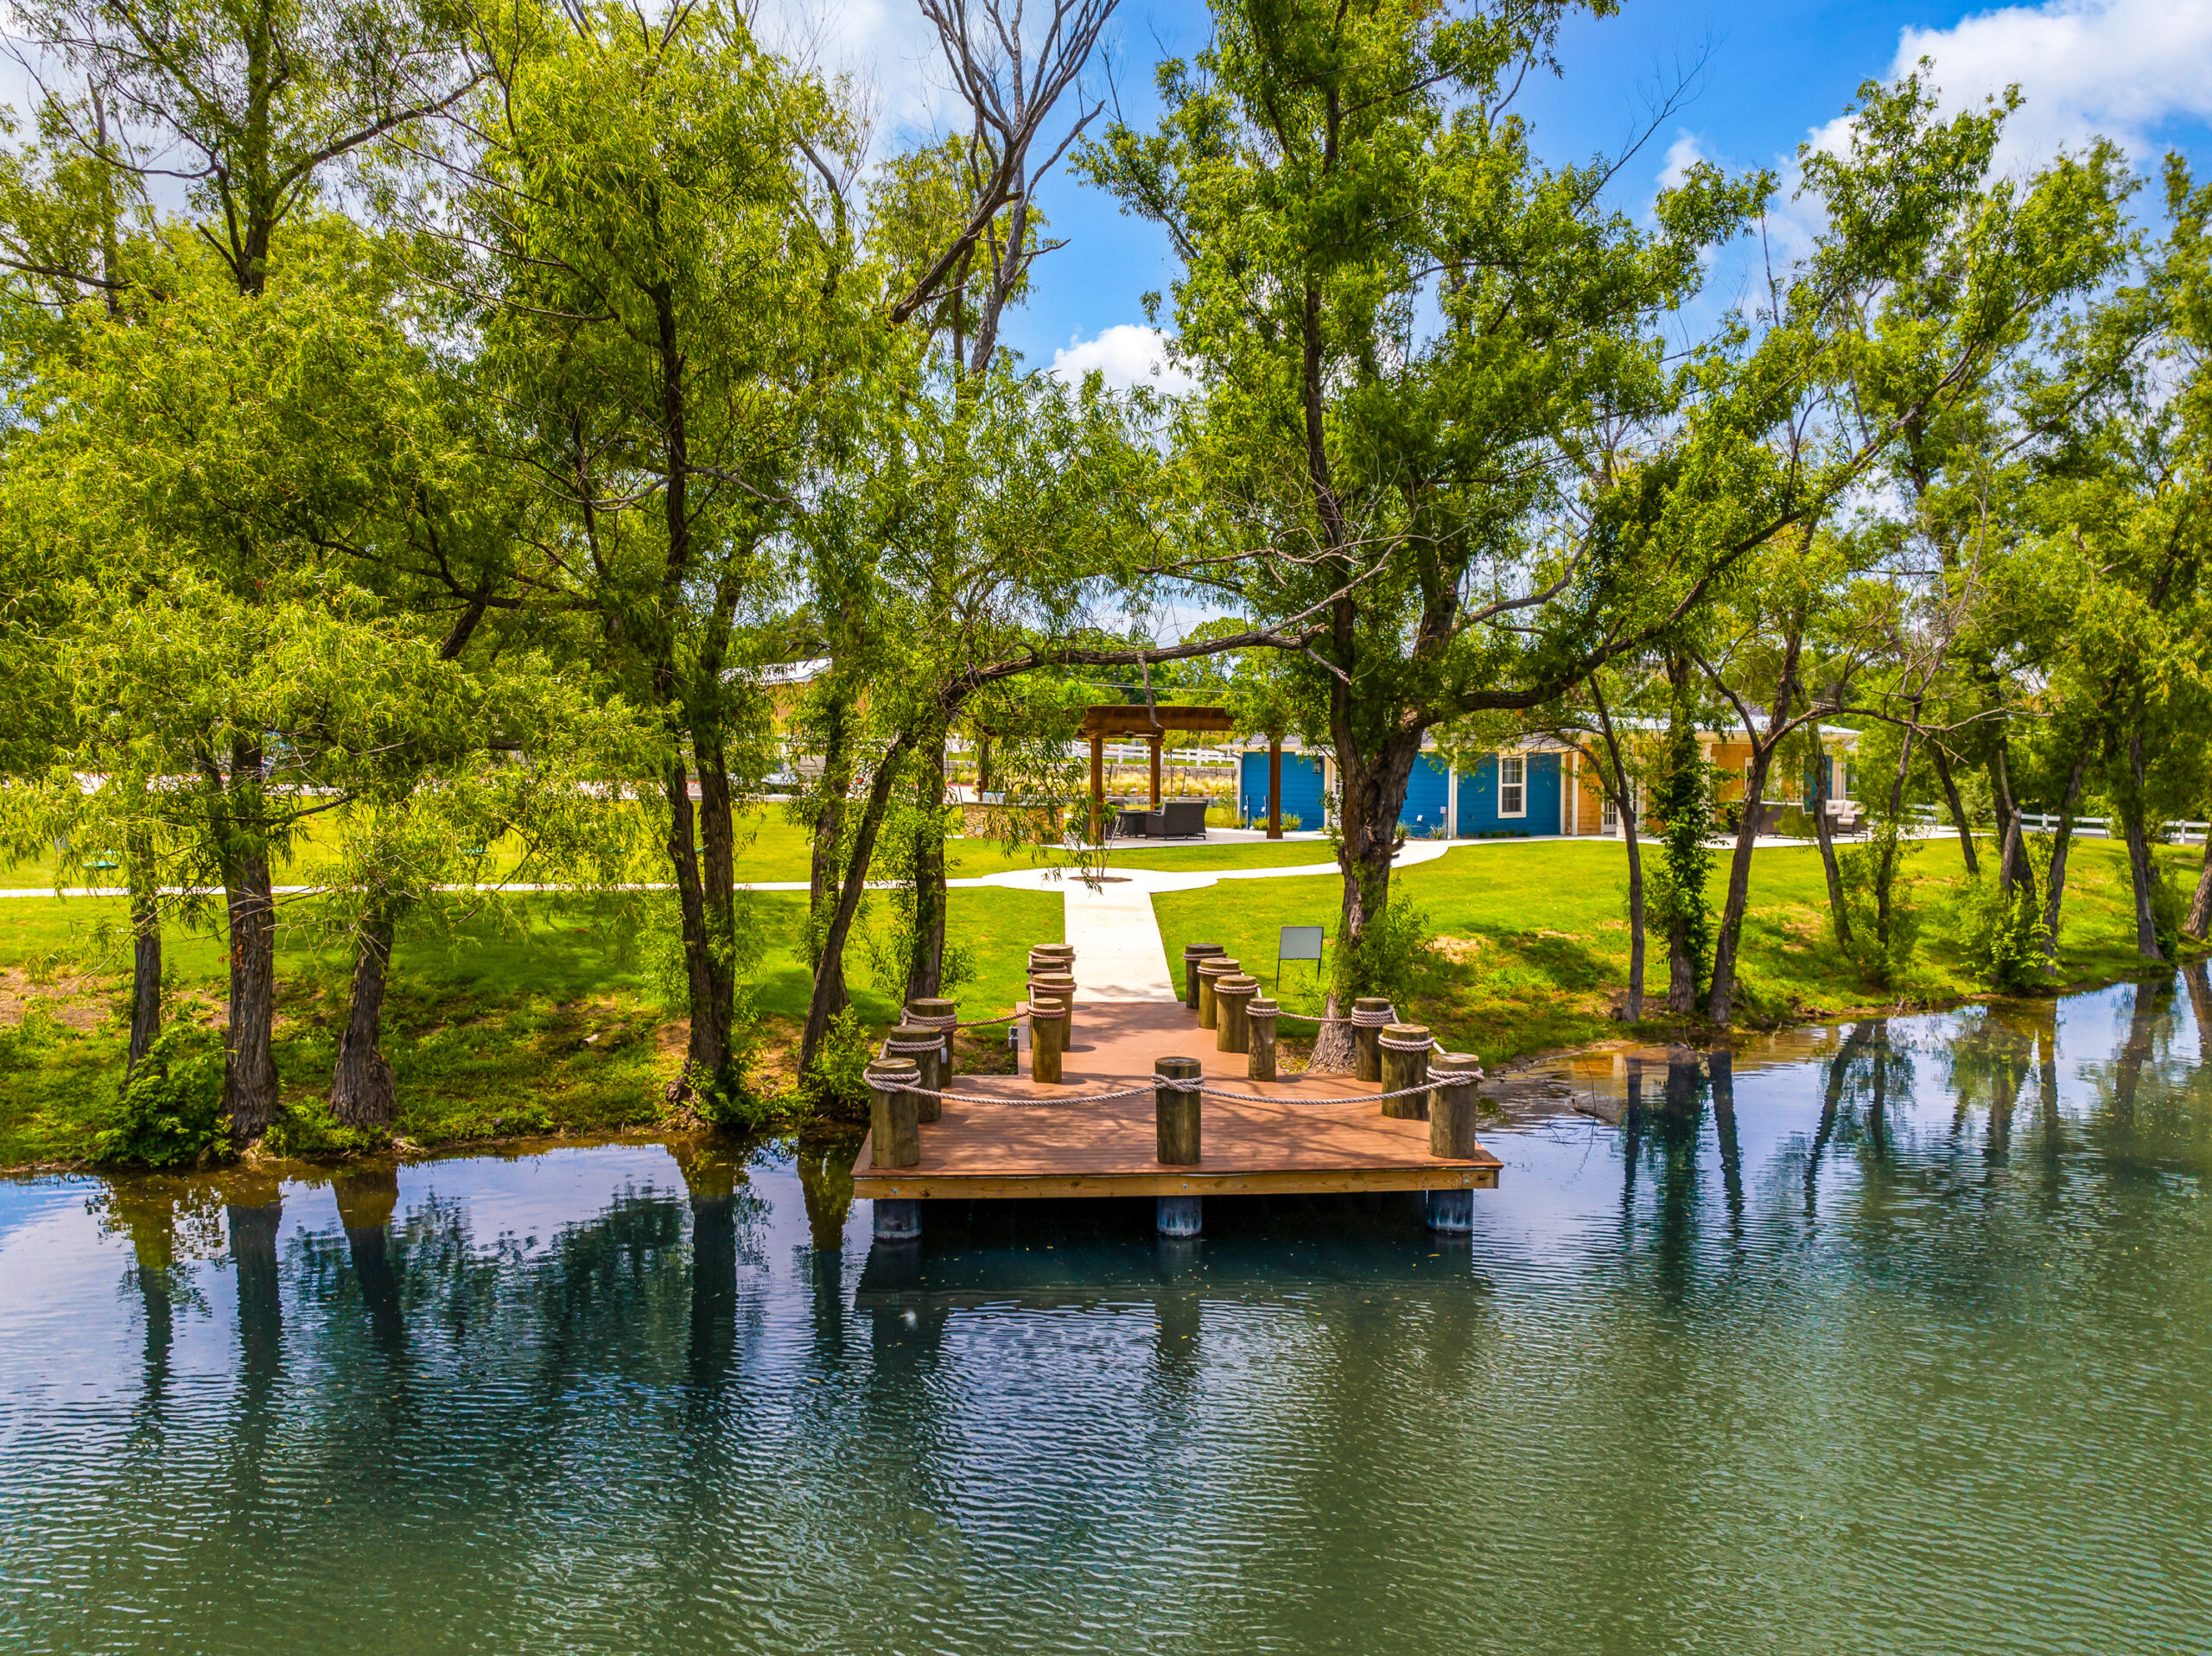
{"x": 1512, "y": 784}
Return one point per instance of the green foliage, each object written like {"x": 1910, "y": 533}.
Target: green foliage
{"x": 837, "y": 1084}
{"x": 1675, "y": 897}
{"x": 1390, "y": 956}
{"x": 2001, "y": 935}
{"x": 1885, "y": 919}
{"x": 304, "y": 1128}
{"x": 171, "y": 1113}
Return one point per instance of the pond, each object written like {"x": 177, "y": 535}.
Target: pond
{"x": 1888, "y": 1337}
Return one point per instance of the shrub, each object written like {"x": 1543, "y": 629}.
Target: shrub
{"x": 306, "y": 1128}
{"x": 171, "y": 1112}
{"x": 1390, "y": 958}
{"x": 2001, "y": 934}
{"x": 837, "y": 1085}
{"x": 1885, "y": 958}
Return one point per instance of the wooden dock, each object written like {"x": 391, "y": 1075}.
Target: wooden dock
{"x": 1277, "y": 1146}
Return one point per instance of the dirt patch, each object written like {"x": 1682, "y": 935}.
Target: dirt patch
{"x": 1460, "y": 951}
{"x": 74, "y": 1002}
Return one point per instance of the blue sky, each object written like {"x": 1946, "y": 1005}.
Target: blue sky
{"x": 1775, "y": 74}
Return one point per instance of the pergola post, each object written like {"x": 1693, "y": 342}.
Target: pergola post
{"x": 1156, "y": 773}
{"x": 1098, "y": 787}
{"x": 1275, "y": 784}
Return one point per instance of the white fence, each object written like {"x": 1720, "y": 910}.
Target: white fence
{"x": 2086, "y": 828}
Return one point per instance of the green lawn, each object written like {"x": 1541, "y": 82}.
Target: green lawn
{"x": 1532, "y": 939}
{"x": 523, "y": 1014}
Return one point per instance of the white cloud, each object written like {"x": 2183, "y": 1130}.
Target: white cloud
{"x": 1682, "y": 154}
{"x": 1127, "y": 355}
{"x": 2118, "y": 69}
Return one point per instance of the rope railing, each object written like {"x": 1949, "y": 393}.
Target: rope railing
{"x": 1178, "y": 1084}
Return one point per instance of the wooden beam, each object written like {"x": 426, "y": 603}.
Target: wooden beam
{"x": 875, "y": 1184}
{"x": 1156, "y": 773}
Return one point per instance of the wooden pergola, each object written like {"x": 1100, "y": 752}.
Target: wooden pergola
{"x": 1150, "y": 723}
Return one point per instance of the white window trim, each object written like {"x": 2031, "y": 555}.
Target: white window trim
{"x": 1520, "y": 760}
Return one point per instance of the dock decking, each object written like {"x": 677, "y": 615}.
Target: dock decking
{"x": 1281, "y": 1146}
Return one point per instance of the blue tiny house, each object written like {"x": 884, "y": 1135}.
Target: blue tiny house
{"x": 1427, "y": 812}
{"x": 1301, "y": 789}
{"x": 1510, "y": 794}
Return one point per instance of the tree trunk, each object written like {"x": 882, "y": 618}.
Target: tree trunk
{"x": 828, "y": 994}
{"x": 2019, "y": 873}
{"x": 250, "y": 1087}
{"x": 925, "y": 972}
{"x": 1720, "y": 994}
{"x": 2145, "y": 873}
{"x": 2200, "y": 906}
{"x": 362, "y": 1093}
{"x": 829, "y": 827}
{"x": 1626, "y": 806}
{"x": 1824, "y": 832}
{"x": 707, "y": 1052}
{"x": 2061, "y": 843}
{"x": 718, "y": 889}
{"x": 1372, "y": 792}
{"x": 1623, "y": 792}
{"x": 145, "y": 953}
{"x": 1885, "y": 868}
{"x": 1958, "y": 811}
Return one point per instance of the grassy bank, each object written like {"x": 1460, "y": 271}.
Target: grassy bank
{"x": 516, "y": 1015}
{"x": 1531, "y": 948}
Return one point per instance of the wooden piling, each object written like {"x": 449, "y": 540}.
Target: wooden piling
{"x": 1192, "y": 954}
{"x": 1210, "y": 972}
{"x": 1260, "y": 1015}
{"x": 1451, "y": 1105}
{"x": 1057, "y": 985}
{"x": 1232, "y": 996}
{"x": 1367, "y": 1063}
{"x": 1404, "y": 1050}
{"x": 924, "y": 1048}
{"x": 937, "y": 1014}
{"x": 1179, "y": 1139}
{"x": 894, "y": 1128}
{"x": 1048, "y": 1037}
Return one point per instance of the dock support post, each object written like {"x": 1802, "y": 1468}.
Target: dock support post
{"x": 925, "y": 1047}
{"x": 1192, "y": 954}
{"x": 1451, "y": 1211}
{"x": 1231, "y": 997}
{"x": 1210, "y": 972}
{"x": 1048, "y": 1037}
{"x": 1367, "y": 1064}
{"x": 1404, "y": 1050}
{"x": 1178, "y": 1140}
{"x": 894, "y": 1127}
{"x": 932, "y": 1012}
{"x": 897, "y": 1218}
{"x": 1451, "y": 1105}
{"x": 1178, "y": 1215}
{"x": 1056, "y": 986}
{"x": 1259, "y": 1023}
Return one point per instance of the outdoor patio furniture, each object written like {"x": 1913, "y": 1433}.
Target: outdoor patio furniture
{"x": 1179, "y": 819}
{"x": 1131, "y": 824}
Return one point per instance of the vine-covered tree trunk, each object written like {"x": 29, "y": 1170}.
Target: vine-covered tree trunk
{"x": 1683, "y": 810}
{"x": 362, "y": 1093}
{"x": 708, "y": 1050}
